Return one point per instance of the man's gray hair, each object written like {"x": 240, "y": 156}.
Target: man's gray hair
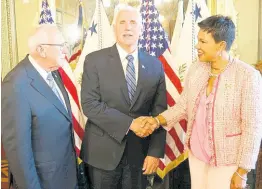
{"x": 39, "y": 35}
{"x": 125, "y": 7}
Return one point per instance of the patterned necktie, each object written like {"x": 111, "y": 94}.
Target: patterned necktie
{"x": 51, "y": 83}
{"x": 130, "y": 77}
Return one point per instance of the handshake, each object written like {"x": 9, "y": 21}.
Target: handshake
{"x": 144, "y": 126}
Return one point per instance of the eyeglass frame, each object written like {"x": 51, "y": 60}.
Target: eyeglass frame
{"x": 62, "y": 46}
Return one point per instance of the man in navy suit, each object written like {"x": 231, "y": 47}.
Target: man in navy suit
{"x": 119, "y": 85}
{"x": 36, "y": 117}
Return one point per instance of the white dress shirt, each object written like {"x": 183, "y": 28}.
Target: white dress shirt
{"x": 44, "y": 74}
{"x": 123, "y": 54}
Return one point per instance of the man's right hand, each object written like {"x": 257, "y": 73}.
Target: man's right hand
{"x": 141, "y": 127}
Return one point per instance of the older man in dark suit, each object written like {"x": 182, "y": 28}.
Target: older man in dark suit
{"x": 119, "y": 85}
{"x": 36, "y": 117}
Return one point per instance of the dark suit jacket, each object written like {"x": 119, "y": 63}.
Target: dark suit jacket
{"x": 105, "y": 101}
{"x": 37, "y": 131}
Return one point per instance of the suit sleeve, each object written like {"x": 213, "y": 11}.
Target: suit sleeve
{"x": 158, "y": 138}
{"x": 106, "y": 118}
{"x": 16, "y": 136}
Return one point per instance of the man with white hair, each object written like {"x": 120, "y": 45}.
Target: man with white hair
{"x": 119, "y": 85}
{"x": 36, "y": 117}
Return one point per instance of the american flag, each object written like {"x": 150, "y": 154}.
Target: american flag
{"x": 154, "y": 42}
{"x": 45, "y": 15}
{"x": 69, "y": 82}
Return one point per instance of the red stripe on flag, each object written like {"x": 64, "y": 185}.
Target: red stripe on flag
{"x": 74, "y": 56}
{"x": 70, "y": 86}
{"x": 183, "y": 124}
{"x": 169, "y": 152}
{"x": 77, "y": 128}
{"x": 179, "y": 144}
{"x": 161, "y": 165}
{"x": 77, "y": 151}
{"x": 171, "y": 74}
{"x": 170, "y": 101}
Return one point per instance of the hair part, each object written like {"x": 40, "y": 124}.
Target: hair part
{"x": 222, "y": 28}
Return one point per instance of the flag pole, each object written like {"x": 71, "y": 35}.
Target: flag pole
{"x": 212, "y": 6}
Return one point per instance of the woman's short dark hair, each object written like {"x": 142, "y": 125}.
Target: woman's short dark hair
{"x": 222, "y": 28}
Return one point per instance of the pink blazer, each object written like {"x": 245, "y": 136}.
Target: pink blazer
{"x": 237, "y": 113}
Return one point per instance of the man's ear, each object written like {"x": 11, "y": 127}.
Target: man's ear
{"x": 41, "y": 51}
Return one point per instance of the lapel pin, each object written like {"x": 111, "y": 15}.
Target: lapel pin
{"x": 143, "y": 66}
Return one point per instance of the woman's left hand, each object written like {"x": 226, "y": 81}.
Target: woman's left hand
{"x": 237, "y": 182}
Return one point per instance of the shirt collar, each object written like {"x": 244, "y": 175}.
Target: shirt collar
{"x": 123, "y": 53}
{"x": 38, "y": 68}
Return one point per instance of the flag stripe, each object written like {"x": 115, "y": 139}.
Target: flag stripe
{"x": 174, "y": 135}
{"x": 171, "y": 74}
{"x": 75, "y": 56}
{"x": 78, "y": 129}
{"x": 171, "y": 88}
{"x": 77, "y": 151}
{"x": 170, "y": 100}
{"x": 161, "y": 165}
{"x": 183, "y": 124}
{"x": 70, "y": 86}
{"x": 169, "y": 152}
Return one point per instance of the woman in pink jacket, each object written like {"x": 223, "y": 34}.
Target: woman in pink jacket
{"x": 222, "y": 103}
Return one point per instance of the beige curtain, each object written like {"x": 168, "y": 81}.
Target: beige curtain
{"x": 9, "y": 55}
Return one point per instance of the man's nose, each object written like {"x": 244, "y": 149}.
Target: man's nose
{"x": 128, "y": 26}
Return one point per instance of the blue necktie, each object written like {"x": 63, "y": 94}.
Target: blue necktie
{"x": 131, "y": 77}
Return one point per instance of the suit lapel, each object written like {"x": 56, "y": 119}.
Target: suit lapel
{"x": 142, "y": 74}
{"x": 115, "y": 62}
{"x": 39, "y": 84}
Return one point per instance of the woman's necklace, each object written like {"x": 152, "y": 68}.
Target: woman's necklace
{"x": 222, "y": 70}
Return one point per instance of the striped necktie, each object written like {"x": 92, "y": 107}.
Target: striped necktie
{"x": 131, "y": 77}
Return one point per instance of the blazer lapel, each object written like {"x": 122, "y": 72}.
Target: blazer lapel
{"x": 39, "y": 84}
{"x": 200, "y": 87}
{"x": 115, "y": 62}
{"x": 142, "y": 74}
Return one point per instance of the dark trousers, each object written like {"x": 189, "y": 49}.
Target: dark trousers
{"x": 180, "y": 177}
{"x": 259, "y": 170}
{"x": 125, "y": 176}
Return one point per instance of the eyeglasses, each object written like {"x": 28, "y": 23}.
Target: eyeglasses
{"x": 62, "y": 46}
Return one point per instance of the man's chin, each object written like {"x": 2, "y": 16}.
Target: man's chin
{"x": 61, "y": 62}
{"x": 54, "y": 68}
